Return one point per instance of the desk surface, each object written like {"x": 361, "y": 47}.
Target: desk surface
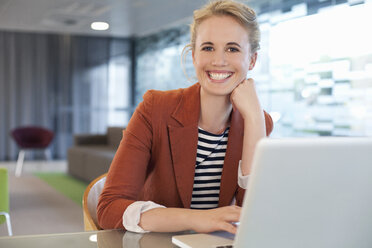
{"x": 101, "y": 239}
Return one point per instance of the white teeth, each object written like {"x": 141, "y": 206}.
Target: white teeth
{"x": 219, "y": 76}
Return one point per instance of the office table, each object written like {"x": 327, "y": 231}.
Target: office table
{"x": 92, "y": 239}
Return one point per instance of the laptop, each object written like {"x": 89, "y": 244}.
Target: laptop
{"x": 302, "y": 193}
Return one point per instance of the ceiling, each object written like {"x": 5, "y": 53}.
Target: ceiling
{"x": 126, "y": 17}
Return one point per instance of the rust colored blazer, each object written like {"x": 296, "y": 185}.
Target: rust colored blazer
{"x": 156, "y": 158}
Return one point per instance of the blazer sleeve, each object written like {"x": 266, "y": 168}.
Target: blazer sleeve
{"x": 268, "y": 124}
{"x": 128, "y": 169}
{"x": 269, "y": 128}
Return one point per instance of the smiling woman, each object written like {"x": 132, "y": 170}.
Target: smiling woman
{"x": 186, "y": 153}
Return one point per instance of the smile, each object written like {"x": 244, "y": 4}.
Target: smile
{"x": 219, "y": 75}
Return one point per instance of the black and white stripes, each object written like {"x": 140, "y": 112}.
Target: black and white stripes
{"x": 209, "y": 163}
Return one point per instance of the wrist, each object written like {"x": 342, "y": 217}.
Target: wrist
{"x": 256, "y": 117}
{"x": 191, "y": 216}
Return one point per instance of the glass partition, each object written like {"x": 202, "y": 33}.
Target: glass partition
{"x": 314, "y": 69}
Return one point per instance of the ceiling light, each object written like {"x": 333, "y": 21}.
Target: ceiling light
{"x": 99, "y": 25}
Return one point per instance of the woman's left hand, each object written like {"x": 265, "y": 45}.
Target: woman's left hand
{"x": 244, "y": 99}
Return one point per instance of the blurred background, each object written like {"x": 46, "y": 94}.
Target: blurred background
{"x": 82, "y": 80}
{"x": 314, "y": 69}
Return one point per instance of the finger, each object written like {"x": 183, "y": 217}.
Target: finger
{"x": 249, "y": 80}
{"x": 228, "y": 227}
{"x": 232, "y": 101}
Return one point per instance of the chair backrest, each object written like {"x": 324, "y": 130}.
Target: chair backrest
{"x": 90, "y": 201}
{"x": 4, "y": 193}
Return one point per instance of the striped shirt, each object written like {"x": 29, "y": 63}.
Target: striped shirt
{"x": 209, "y": 163}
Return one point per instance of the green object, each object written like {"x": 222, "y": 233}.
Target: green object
{"x": 4, "y": 193}
{"x": 65, "y": 184}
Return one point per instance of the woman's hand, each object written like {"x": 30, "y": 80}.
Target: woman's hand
{"x": 218, "y": 219}
{"x": 244, "y": 99}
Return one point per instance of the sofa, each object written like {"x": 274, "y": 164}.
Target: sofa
{"x": 92, "y": 154}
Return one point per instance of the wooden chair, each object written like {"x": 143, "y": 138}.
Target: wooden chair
{"x": 90, "y": 201}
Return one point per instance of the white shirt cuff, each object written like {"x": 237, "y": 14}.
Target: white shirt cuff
{"x": 132, "y": 215}
{"x": 242, "y": 180}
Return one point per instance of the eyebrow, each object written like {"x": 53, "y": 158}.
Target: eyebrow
{"x": 229, "y": 43}
{"x": 206, "y": 43}
{"x": 233, "y": 43}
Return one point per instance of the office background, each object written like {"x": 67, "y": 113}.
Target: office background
{"x": 314, "y": 73}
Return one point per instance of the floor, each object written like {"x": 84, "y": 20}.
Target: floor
{"x": 30, "y": 167}
{"x": 35, "y": 207}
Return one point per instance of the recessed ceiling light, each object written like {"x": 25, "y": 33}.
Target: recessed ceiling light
{"x": 99, "y": 25}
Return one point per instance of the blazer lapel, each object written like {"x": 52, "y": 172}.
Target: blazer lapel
{"x": 183, "y": 141}
{"x": 229, "y": 176}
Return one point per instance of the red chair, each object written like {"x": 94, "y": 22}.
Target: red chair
{"x": 31, "y": 138}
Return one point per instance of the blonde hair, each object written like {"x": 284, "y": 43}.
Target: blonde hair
{"x": 239, "y": 11}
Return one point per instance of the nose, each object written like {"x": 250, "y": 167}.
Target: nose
{"x": 219, "y": 59}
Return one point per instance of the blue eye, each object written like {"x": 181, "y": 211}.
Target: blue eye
{"x": 232, "y": 49}
{"x": 207, "y": 48}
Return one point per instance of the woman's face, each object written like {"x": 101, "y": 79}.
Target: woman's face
{"x": 221, "y": 55}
